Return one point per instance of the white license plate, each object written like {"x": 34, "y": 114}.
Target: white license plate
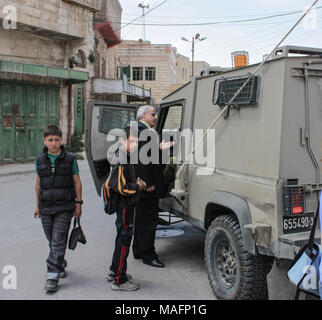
{"x": 300, "y": 223}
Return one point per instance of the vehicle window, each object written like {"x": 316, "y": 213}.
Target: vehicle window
{"x": 225, "y": 89}
{"x": 113, "y": 118}
{"x": 173, "y": 119}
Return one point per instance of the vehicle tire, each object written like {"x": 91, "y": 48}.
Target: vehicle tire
{"x": 233, "y": 273}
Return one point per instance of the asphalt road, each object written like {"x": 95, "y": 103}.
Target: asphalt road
{"x": 24, "y": 246}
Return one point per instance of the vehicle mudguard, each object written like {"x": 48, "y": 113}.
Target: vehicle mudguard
{"x": 218, "y": 204}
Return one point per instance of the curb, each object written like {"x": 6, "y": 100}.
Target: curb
{"x": 6, "y": 174}
{"x": 28, "y": 170}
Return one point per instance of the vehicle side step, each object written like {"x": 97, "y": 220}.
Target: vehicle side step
{"x": 168, "y": 218}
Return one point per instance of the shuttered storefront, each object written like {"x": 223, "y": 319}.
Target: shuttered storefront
{"x": 25, "y": 111}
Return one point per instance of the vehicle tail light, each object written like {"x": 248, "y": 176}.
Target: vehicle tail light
{"x": 294, "y": 200}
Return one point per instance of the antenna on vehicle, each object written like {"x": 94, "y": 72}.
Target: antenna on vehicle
{"x": 179, "y": 185}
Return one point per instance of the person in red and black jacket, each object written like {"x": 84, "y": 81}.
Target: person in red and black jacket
{"x": 125, "y": 185}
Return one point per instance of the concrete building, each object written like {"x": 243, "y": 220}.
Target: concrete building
{"x": 51, "y": 52}
{"x": 105, "y": 85}
{"x": 157, "y": 67}
{"x": 198, "y": 67}
{"x": 40, "y": 42}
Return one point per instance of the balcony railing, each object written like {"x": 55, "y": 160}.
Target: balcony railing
{"x": 118, "y": 86}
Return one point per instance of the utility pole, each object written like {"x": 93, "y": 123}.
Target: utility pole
{"x": 193, "y": 56}
{"x": 143, "y": 6}
{"x": 197, "y": 38}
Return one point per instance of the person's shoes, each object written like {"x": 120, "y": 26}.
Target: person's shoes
{"x": 154, "y": 263}
{"x": 62, "y": 274}
{"x": 137, "y": 256}
{"x": 109, "y": 275}
{"x": 51, "y": 285}
{"x": 127, "y": 286}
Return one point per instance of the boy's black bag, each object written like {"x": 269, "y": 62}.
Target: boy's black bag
{"x": 76, "y": 235}
{"x": 108, "y": 195}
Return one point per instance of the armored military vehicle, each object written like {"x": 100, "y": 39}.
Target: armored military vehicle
{"x": 257, "y": 193}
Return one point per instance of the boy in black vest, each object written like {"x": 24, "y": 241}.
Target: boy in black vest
{"x": 58, "y": 198}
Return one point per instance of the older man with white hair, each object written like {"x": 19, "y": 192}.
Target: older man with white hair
{"x": 147, "y": 213}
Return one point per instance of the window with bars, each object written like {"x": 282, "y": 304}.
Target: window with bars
{"x": 225, "y": 89}
{"x": 150, "y": 74}
{"x": 137, "y": 73}
{"x": 115, "y": 119}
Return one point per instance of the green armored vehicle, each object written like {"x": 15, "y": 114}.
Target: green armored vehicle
{"x": 253, "y": 183}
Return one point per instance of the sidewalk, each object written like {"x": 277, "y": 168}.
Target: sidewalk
{"x": 16, "y": 169}
{"x": 29, "y": 167}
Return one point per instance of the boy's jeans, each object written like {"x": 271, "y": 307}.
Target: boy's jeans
{"x": 56, "y": 228}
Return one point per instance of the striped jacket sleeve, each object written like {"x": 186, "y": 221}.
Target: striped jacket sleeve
{"x": 119, "y": 184}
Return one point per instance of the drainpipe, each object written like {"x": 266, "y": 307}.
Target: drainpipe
{"x": 70, "y": 113}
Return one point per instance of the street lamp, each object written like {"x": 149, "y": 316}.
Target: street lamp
{"x": 196, "y": 37}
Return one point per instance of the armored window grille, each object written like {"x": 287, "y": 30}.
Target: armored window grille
{"x": 115, "y": 119}
{"x": 225, "y": 89}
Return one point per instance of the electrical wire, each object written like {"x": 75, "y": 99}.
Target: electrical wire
{"x": 271, "y": 34}
{"x": 214, "y": 22}
{"x": 131, "y": 22}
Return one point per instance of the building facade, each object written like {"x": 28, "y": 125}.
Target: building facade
{"x": 156, "y": 67}
{"x": 43, "y": 58}
{"x": 50, "y": 54}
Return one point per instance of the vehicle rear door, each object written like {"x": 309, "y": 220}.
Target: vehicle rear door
{"x": 101, "y": 118}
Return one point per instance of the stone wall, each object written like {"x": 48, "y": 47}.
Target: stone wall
{"x": 144, "y": 54}
{"x": 53, "y": 19}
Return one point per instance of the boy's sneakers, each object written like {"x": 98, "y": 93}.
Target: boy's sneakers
{"x": 51, "y": 285}
{"x": 110, "y": 276}
{"x": 62, "y": 274}
{"x": 127, "y": 286}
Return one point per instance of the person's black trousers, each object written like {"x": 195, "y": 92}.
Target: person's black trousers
{"x": 124, "y": 227}
{"x": 146, "y": 221}
{"x": 56, "y": 228}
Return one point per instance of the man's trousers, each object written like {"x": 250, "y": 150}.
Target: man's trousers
{"x": 146, "y": 221}
{"x": 56, "y": 228}
{"x": 124, "y": 227}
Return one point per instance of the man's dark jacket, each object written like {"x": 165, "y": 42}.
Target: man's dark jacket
{"x": 57, "y": 192}
{"x": 151, "y": 174}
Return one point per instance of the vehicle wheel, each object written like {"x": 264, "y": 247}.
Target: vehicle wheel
{"x": 234, "y": 274}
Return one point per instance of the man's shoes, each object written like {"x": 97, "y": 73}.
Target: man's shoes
{"x": 137, "y": 256}
{"x": 109, "y": 275}
{"x": 154, "y": 263}
{"x": 51, "y": 285}
{"x": 127, "y": 286}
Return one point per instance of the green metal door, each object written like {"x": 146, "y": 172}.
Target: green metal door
{"x": 127, "y": 71}
{"x": 25, "y": 111}
{"x": 78, "y": 109}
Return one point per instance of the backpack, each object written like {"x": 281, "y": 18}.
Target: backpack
{"x": 108, "y": 196}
